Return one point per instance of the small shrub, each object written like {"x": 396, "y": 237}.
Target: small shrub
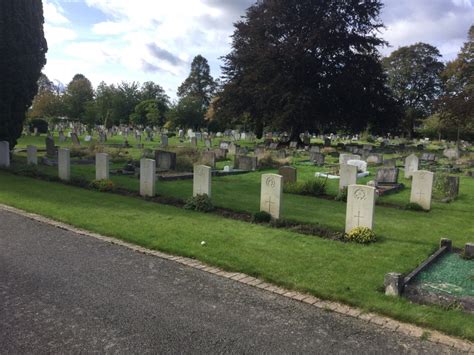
{"x": 342, "y": 195}
{"x": 413, "y": 207}
{"x": 186, "y": 158}
{"x": 40, "y": 124}
{"x": 268, "y": 161}
{"x": 313, "y": 187}
{"x": 78, "y": 152}
{"x": 328, "y": 150}
{"x": 261, "y": 217}
{"x": 102, "y": 185}
{"x": 201, "y": 203}
{"x": 79, "y": 181}
{"x": 362, "y": 235}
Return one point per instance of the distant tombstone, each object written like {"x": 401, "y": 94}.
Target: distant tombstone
{"x": 390, "y": 163}
{"x": 387, "y": 176}
{"x": 273, "y": 146}
{"x": 259, "y": 152}
{"x": 306, "y": 140}
{"x": 198, "y": 136}
{"x": 411, "y": 165}
{"x": 202, "y": 180}
{"x": 208, "y": 143}
{"x": 51, "y": 149}
{"x": 281, "y": 154}
{"x": 270, "y": 194}
{"x": 224, "y": 145}
{"x": 428, "y": 157}
{"x": 164, "y": 140}
{"x": 147, "y": 177}
{"x": 62, "y": 138}
{"x": 293, "y": 145}
{"x": 246, "y": 163}
{"x": 75, "y": 139}
{"x": 31, "y": 155}
{"x": 374, "y": 158}
{"x": 87, "y": 138}
{"x": 317, "y": 158}
{"x": 35, "y": 131}
{"x": 64, "y": 164}
{"x": 360, "y": 164}
{"x": 315, "y": 149}
{"x": 422, "y": 188}
{"x": 344, "y": 158}
{"x": 194, "y": 142}
{"x": 232, "y": 148}
{"x": 102, "y": 166}
{"x": 288, "y": 173}
{"x": 180, "y": 134}
{"x": 451, "y": 153}
{"x": 347, "y": 175}
{"x": 448, "y": 186}
{"x": 327, "y": 142}
{"x": 209, "y": 158}
{"x": 221, "y": 154}
{"x": 165, "y": 160}
{"x": 368, "y": 147}
{"x": 360, "y": 207}
{"x": 4, "y": 154}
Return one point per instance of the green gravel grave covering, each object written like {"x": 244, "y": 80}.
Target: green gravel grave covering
{"x": 451, "y": 275}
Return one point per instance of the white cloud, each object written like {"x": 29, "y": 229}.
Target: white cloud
{"x": 57, "y": 25}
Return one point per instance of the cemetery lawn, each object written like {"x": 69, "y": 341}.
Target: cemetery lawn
{"x": 349, "y": 273}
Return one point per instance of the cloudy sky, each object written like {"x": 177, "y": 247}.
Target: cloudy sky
{"x": 142, "y": 40}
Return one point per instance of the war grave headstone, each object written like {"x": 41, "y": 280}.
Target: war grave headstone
{"x": 422, "y": 188}
{"x": 31, "y": 155}
{"x": 347, "y": 175}
{"x": 4, "y": 154}
{"x": 270, "y": 194}
{"x": 64, "y": 164}
{"x": 147, "y": 177}
{"x": 360, "y": 207}
{"x": 288, "y": 173}
{"x": 411, "y": 165}
{"x": 165, "y": 160}
{"x": 102, "y": 166}
{"x": 202, "y": 180}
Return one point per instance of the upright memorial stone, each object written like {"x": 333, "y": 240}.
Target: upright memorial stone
{"x": 347, "y": 175}
{"x": 202, "y": 180}
{"x": 147, "y": 177}
{"x": 411, "y": 165}
{"x": 31, "y": 155}
{"x": 288, "y": 173}
{"x": 64, "y": 164}
{"x": 4, "y": 154}
{"x": 164, "y": 140}
{"x": 360, "y": 207}
{"x": 75, "y": 139}
{"x": 102, "y": 166}
{"x": 422, "y": 188}
{"x": 51, "y": 149}
{"x": 270, "y": 195}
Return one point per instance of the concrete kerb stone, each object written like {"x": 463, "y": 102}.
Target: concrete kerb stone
{"x": 384, "y": 322}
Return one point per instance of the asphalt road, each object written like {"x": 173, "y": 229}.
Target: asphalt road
{"x": 65, "y": 293}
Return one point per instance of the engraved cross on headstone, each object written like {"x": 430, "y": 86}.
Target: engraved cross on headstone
{"x": 358, "y": 216}
{"x": 270, "y": 203}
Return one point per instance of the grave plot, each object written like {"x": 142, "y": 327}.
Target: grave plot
{"x": 448, "y": 282}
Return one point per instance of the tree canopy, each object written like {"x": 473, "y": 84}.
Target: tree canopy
{"x": 414, "y": 78}
{"x": 303, "y": 65}
{"x": 23, "y": 50}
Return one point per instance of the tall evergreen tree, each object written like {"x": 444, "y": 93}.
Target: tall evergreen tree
{"x": 79, "y": 92}
{"x": 199, "y": 84}
{"x": 302, "y": 65}
{"x": 23, "y": 54}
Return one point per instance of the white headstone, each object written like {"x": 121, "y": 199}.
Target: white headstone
{"x": 147, "y": 177}
{"x": 4, "y": 154}
{"x": 411, "y": 165}
{"x": 64, "y": 164}
{"x": 347, "y": 175}
{"x": 421, "y": 188}
{"x": 102, "y": 166}
{"x": 270, "y": 195}
{"x": 360, "y": 207}
{"x": 31, "y": 155}
{"x": 360, "y": 164}
{"x": 202, "y": 180}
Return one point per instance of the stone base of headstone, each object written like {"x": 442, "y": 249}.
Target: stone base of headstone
{"x": 394, "y": 284}
{"x": 469, "y": 251}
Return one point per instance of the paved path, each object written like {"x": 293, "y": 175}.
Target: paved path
{"x": 65, "y": 293}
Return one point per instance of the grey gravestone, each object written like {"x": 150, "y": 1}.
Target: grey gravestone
{"x": 293, "y": 145}
{"x": 4, "y": 154}
{"x": 390, "y": 163}
{"x": 62, "y": 138}
{"x": 306, "y": 140}
{"x": 165, "y": 160}
{"x": 221, "y": 154}
{"x": 429, "y": 157}
{"x": 164, "y": 140}
{"x": 281, "y": 154}
{"x": 317, "y": 158}
{"x": 387, "y": 176}
{"x": 327, "y": 142}
{"x": 315, "y": 149}
{"x": 451, "y": 153}
{"x": 51, "y": 149}
{"x": 288, "y": 173}
{"x": 208, "y": 143}
{"x": 75, "y": 139}
{"x": 242, "y": 162}
{"x": 374, "y": 158}
{"x": 209, "y": 159}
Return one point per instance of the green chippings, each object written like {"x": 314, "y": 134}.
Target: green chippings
{"x": 451, "y": 275}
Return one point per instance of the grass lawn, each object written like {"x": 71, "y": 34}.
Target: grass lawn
{"x": 332, "y": 270}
